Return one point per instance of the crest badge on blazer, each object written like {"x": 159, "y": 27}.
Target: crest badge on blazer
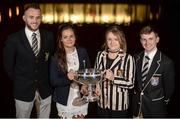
{"x": 154, "y": 81}
{"x": 120, "y": 72}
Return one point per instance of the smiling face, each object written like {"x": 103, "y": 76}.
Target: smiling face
{"x": 32, "y": 18}
{"x": 68, "y": 38}
{"x": 113, "y": 41}
{"x": 149, "y": 41}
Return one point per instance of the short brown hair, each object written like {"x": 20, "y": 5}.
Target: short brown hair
{"x": 148, "y": 29}
{"x": 31, "y": 5}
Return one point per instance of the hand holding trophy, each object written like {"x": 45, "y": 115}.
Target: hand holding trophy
{"x": 89, "y": 78}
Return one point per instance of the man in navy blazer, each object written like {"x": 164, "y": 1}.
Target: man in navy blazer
{"x": 154, "y": 88}
{"x": 28, "y": 70}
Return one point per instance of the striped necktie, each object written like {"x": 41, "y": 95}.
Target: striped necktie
{"x": 35, "y": 44}
{"x": 145, "y": 69}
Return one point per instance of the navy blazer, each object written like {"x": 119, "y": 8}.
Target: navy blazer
{"x": 28, "y": 72}
{"x": 59, "y": 79}
{"x": 158, "y": 87}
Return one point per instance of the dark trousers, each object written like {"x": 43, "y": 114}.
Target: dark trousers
{"x": 108, "y": 113}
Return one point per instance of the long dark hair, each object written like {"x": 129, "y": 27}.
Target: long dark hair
{"x": 60, "y": 52}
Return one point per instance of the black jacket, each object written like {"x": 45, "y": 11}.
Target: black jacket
{"x": 29, "y": 73}
{"x": 158, "y": 87}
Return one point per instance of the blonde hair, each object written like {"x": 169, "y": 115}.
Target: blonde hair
{"x": 117, "y": 31}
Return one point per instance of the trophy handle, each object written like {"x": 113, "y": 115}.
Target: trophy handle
{"x": 79, "y": 82}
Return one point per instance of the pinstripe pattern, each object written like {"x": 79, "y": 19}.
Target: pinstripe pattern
{"x": 115, "y": 94}
{"x": 35, "y": 44}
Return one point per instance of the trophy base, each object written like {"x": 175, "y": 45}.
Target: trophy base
{"x": 90, "y": 98}
{"x": 85, "y": 99}
{"x": 79, "y": 101}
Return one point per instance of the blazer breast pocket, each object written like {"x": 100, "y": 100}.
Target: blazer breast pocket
{"x": 155, "y": 79}
{"x": 46, "y": 56}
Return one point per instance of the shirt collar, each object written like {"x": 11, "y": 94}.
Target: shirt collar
{"x": 29, "y": 32}
{"x": 151, "y": 54}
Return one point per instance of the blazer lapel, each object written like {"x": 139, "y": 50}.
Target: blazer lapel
{"x": 42, "y": 43}
{"x": 154, "y": 67}
{"x": 105, "y": 55}
{"x": 80, "y": 58}
{"x": 25, "y": 42}
{"x": 104, "y": 58}
{"x": 118, "y": 58}
{"x": 139, "y": 61}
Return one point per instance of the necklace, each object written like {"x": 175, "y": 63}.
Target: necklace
{"x": 114, "y": 51}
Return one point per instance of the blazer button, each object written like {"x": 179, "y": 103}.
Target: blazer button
{"x": 36, "y": 71}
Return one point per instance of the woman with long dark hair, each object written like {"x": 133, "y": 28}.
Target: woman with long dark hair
{"x": 68, "y": 59}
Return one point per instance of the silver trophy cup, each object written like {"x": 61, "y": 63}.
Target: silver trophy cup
{"x": 89, "y": 77}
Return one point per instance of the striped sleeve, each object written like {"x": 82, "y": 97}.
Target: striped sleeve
{"x": 98, "y": 62}
{"x": 128, "y": 67}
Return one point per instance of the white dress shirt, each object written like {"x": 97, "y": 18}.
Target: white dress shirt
{"x": 151, "y": 56}
{"x": 29, "y": 36}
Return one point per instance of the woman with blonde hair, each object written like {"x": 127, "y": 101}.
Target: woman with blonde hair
{"x": 119, "y": 74}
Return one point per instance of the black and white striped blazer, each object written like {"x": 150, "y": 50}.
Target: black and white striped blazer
{"x": 114, "y": 95}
